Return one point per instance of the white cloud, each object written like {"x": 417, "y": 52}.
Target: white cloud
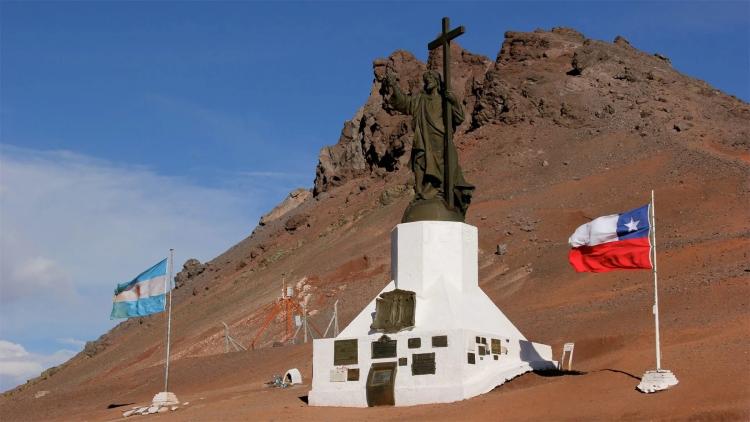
{"x": 11, "y": 350}
{"x": 72, "y": 227}
{"x": 17, "y": 365}
{"x": 72, "y": 341}
{"x": 26, "y": 275}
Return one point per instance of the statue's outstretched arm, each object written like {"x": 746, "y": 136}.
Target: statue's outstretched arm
{"x": 398, "y": 100}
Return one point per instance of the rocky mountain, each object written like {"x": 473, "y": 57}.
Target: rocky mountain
{"x": 560, "y": 129}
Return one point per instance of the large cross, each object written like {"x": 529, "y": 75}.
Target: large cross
{"x": 444, "y": 40}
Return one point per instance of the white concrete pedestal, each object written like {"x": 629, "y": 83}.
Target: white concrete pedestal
{"x": 657, "y": 380}
{"x": 438, "y": 261}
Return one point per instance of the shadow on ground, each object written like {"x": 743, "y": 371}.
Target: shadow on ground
{"x": 558, "y": 373}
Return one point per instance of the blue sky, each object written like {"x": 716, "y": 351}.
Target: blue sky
{"x": 131, "y": 127}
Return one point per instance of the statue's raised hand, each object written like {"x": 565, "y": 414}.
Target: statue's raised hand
{"x": 391, "y": 79}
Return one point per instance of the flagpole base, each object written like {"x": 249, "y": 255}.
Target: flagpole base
{"x": 165, "y": 398}
{"x": 657, "y": 380}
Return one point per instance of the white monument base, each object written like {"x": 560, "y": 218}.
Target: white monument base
{"x": 653, "y": 381}
{"x": 468, "y": 343}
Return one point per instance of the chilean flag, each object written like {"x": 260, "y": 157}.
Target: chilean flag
{"x": 612, "y": 242}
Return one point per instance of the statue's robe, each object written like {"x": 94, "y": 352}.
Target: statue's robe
{"x": 427, "y": 150}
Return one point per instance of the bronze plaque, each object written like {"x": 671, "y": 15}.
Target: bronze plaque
{"x": 402, "y": 362}
{"x": 479, "y": 339}
{"x": 384, "y": 347}
{"x": 471, "y": 358}
{"x": 440, "y": 341}
{"x": 423, "y": 363}
{"x": 352, "y": 374}
{"x": 345, "y": 352}
{"x": 482, "y": 350}
{"x": 380, "y": 382}
{"x": 394, "y": 311}
{"x": 495, "y": 356}
{"x": 496, "y": 348}
{"x": 414, "y": 343}
{"x": 484, "y": 340}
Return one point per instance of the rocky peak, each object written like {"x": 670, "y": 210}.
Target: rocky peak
{"x": 556, "y": 77}
{"x": 375, "y": 141}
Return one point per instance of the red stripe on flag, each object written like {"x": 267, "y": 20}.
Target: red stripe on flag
{"x": 630, "y": 254}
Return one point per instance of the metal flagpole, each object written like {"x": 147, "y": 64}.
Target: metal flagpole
{"x": 168, "y": 285}
{"x": 652, "y": 217}
{"x": 336, "y": 318}
{"x": 304, "y": 321}
{"x": 660, "y": 379}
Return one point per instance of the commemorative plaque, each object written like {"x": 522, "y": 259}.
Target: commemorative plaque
{"x": 471, "y": 358}
{"x": 414, "y": 343}
{"x": 384, "y": 347}
{"x": 345, "y": 352}
{"x": 423, "y": 363}
{"x": 394, "y": 311}
{"x": 440, "y": 341}
{"x": 496, "y": 348}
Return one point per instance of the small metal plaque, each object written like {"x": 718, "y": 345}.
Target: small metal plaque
{"x": 496, "y": 347}
{"x": 402, "y": 362}
{"x": 471, "y": 358}
{"x": 482, "y": 350}
{"x": 423, "y": 363}
{"x": 479, "y": 339}
{"x": 352, "y": 374}
{"x": 382, "y": 377}
{"x": 414, "y": 343}
{"x": 384, "y": 347}
{"x": 345, "y": 352}
{"x": 440, "y": 341}
{"x": 484, "y": 340}
{"x": 495, "y": 356}
{"x": 338, "y": 374}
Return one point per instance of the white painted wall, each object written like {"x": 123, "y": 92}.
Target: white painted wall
{"x": 438, "y": 261}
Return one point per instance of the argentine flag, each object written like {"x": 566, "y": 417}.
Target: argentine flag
{"x": 143, "y": 295}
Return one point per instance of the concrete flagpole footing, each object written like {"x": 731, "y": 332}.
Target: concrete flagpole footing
{"x": 165, "y": 398}
{"x": 657, "y": 380}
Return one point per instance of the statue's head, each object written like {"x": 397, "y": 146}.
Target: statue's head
{"x": 432, "y": 80}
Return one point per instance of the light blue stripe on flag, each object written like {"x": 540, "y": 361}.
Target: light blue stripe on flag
{"x": 141, "y": 307}
{"x": 143, "y": 295}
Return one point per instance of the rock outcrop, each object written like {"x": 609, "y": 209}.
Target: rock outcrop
{"x": 296, "y": 198}
{"x": 191, "y": 269}
{"x": 377, "y": 139}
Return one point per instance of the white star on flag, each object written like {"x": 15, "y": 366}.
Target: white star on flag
{"x": 632, "y": 225}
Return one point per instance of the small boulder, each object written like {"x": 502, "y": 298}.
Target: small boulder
{"x": 501, "y": 249}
